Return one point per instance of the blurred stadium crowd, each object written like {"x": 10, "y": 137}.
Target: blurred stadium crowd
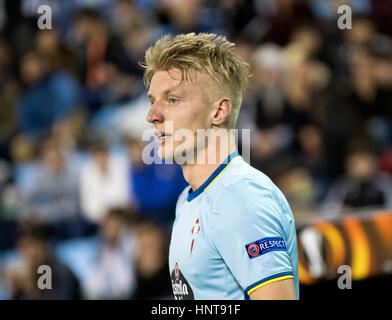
{"x": 74, "y": 191}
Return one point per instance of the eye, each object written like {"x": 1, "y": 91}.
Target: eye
{"x": 173, "y": 100}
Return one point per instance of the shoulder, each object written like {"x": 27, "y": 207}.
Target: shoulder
{"x": 247, "y": 193}
{"x": 243, "y": 182}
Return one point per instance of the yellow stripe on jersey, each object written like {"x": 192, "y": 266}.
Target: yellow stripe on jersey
{"x": 269, "y": 281}
{"x": 220, "y": 173}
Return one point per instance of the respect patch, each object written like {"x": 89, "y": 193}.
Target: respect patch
{"x": 265, "y": 245}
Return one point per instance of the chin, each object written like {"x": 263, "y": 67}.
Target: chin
{"x": 165, "y": 153}
{"x": 177, "y": 155}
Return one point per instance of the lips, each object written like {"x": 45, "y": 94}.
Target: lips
{"x": 162, "y": 137}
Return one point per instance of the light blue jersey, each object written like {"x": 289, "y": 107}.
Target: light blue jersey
{"x": 232, "y": 235}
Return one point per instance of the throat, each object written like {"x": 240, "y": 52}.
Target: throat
{"x": 198, "y": 173}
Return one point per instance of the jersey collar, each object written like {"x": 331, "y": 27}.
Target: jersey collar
{"x": 193, "y": 194}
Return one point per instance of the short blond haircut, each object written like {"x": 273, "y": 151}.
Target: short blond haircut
{"x": 207, "y": 53}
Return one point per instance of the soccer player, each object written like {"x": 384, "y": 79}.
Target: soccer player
{"x": 234, "y": 235}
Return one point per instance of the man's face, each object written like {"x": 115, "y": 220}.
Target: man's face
{"x": 101, "y": 159}
{"x": 32, "y": 250}
{"x": 111, "y": 229}
{"x": 176, "y": 106}
{"x": 53, "y": 160}
{"x": 32, "y": 69}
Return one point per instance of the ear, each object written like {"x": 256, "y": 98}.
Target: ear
{"x": 221, "y": 111}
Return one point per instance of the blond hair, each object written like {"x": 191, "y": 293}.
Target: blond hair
{"x": 208, "y": 53}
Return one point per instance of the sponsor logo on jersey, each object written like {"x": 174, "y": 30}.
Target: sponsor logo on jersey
{"x": 181, "y": 288}
{"x": 265, "y": 245}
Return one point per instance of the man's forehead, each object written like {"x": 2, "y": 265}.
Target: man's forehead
{"x": 172, "y": 79}
{"x": 164, "y": 81}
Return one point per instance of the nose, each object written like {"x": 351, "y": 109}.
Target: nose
{"x": 154, "y": 115}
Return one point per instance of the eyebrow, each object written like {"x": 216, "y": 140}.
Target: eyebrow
{"x": 164, "y": 93}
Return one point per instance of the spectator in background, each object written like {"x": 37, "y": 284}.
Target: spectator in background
{"x": 363, "y": 186}
{"x": 185, "y": 16}
{"x": 312, "y": 156}
{"x": 312, "y": 153}
{"x": 153, "y": 280}
{"x": 103, "y": 182}
{"x": 381, "y": 12}
{"x": 385, "y": 161}
{"x": 328, "y": 9}
{"x": 299, "y": 188}
{"x": 287, "y": 83}
{"x": 35, "y": 251}
{"x": 286, "y": 16}
{"x": 155, "y": 187}
{"x": 9, "y": 90}
{"x": 59, "y": 57}
{"x": 304, "y": 84}
{"x": 266, "y": 102}
{"x": 113, "y": 276}
{"x": 48, "y": 96}
{"x": 10, "y": 205}
{"x": 53, "y": 192}
{"x": 106, "y": 68}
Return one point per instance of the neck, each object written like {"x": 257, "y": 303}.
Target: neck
{"x": 196, "y": 174}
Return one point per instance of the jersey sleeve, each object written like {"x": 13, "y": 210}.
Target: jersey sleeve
{"x": 248, "y": 230}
